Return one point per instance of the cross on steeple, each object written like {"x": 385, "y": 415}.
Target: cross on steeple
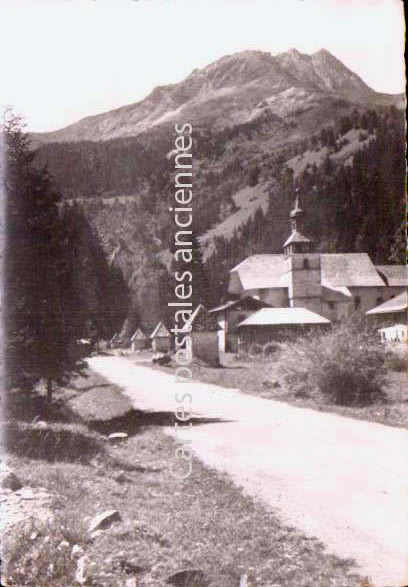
{"x": 297, "y": 242}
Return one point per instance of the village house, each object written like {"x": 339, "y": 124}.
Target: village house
{"x": 392, "y": 311}
{"x": 276, "y": 324}
{"x": 391, "y": 318}
{"x": 161, "y": 339}
{"x": 139, "y": 340}
{"x": 229, "y": 315}
{"x": 330, "y": 285}
{"x": 204, "y": 336}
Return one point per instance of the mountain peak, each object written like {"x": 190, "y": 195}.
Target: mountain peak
{"x": 294, "y": 52}
{"x": 232, "y": 90}
{"x": 324, "y": 53}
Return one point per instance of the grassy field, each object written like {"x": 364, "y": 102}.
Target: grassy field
{"x": 204, "y": 523}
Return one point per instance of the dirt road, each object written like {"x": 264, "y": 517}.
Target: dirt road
{"x": 341, "y": 480}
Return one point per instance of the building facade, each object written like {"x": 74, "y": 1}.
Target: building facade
{"x": 331, "y": 285}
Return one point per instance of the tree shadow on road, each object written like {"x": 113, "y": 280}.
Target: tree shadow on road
{"x": 135, "y": 420}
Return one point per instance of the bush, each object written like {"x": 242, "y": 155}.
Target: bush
{"x": 346, "y": 365}
{"x": 396, "y": 362}
{"x": 271, "y": 348}
{"x": 255, "y": 349}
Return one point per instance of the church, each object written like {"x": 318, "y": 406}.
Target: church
{"x": 328, "y": 287}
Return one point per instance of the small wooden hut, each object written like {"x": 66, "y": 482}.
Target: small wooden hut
{"x": 139, "y": 340}
{"x": 161, "y": 338}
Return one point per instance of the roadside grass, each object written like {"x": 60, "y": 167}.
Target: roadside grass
{"x": 90, "y": 407}
{"x": 203, "y": 523}
{"x": 167, "y": 526}
{"x": 51, "y": 442}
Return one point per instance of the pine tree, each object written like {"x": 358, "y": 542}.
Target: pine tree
{"x": 37, "y": 300}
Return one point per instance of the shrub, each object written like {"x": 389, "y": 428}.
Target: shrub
{"x": 255, "y": 349}
{"x": 396, "y": 362}
{"x": 345, "y": 365}
{"x": 271, "y": 348}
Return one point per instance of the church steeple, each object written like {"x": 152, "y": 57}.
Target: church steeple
{"x": 297, "y": 242}
{"x": 297, "y": 216}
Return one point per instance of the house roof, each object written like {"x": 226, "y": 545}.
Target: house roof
{"x": 337, "y": 270}
{"x": 297, "y": 237}
{"x": 350, "y": 270}
{"x": 277, "y": 316}
{"x": 202, "y": 320}
{"x": 138, "y": 335}
{"x": 160, "y": 330}
{"x": 397, "y": 304}
{"x": 396, "y": 275}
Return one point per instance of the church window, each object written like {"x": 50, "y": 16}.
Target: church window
{"x": 306, "y": 264}
{"x": 357, "y": 303}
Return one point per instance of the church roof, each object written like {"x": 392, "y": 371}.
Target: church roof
{"x": 349, "y": 269}
{"x": 262, "y": 271}
{"x": 297, "y": 237}
{"x": 281, "y": 316}
{"x": 395, "y": 275}
{"x": 397, "y": 304}
{"x": 337, "y": 270}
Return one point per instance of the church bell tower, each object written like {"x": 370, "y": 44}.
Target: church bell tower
{"x": 297, "y": 242}
{"x": 303, "y": 265}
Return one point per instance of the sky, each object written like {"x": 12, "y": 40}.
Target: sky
{"x": 62, "y": 60}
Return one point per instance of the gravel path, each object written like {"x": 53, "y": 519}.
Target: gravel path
{"x": 339, "y": 479}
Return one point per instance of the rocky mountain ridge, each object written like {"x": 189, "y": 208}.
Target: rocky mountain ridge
{"x": 235, "y": 89}
{"x": 262, "y": 126}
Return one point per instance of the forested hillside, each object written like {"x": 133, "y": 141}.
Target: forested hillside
{"x": 352, "y": 205}
{"x": 342, "y": 147}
